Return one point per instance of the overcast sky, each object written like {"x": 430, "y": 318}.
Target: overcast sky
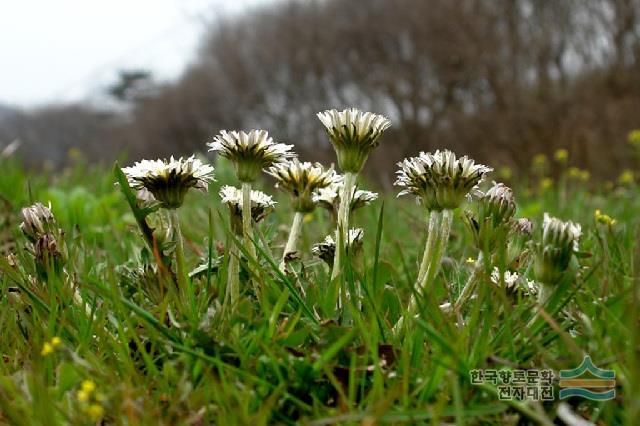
{"x": 63, "y": 50}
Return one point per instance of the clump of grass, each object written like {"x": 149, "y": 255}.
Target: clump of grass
{"x": 109, "y": 335}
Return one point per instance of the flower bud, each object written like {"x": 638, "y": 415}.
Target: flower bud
{"x": 490, "y": 223}
{"x": 36, "y": 221}
{"x": 554, "y": 252}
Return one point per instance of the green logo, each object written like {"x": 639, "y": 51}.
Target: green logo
{"x": 572, "y": 384}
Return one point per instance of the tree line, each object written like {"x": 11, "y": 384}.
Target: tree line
{"x": 501, "y": 80}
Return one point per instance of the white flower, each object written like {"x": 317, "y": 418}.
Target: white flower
{"x": 250, "y": 152}
{"x": 353, "y": 134}
{"x": 329, "y": 197}
{"x": 510, "y": 278}
{"x": 326, "y": 249}
{"x": 555, "y": 231}
{"x": 302, "y": 180}
{"x": 261, "y": 205}
{"x": 440, "y": 180}
{"x": 513, "y": 281}
{"x": 169, "y": 180}
{"x": 37, "y": 220}
{"x": 553, "y": 254}
{"x": 490, "y": 219}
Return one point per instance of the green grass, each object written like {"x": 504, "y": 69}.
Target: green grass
{"x": 159, "y": 354}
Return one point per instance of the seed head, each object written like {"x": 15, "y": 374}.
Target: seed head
{"x": 353, "y": 134}
{"x": 302, "y": 181}
{"x": 250, "y": 152}
{"x": 169, "y": 180}
{"x": 440, "y": 180}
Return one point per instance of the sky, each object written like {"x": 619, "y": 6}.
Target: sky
{"x": 67, "y": 50}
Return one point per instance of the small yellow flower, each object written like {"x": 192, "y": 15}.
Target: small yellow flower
{"x": 561, "y": 155}
{"x": 604, "y": 219}
{"x": 74, "y": 153}
{"x": 308, "y": 218}
{"x": 47, "y": 349}
{"x": 626, "y": 177}
{"x": 546, "y": 183}
{"x": 56, "y": 342}
{"x": 471, "y": 260}
{"x": 83, "y": 396}
{"x": 88, "y": 386}
{"x": 584, "y": 175}
{"x": 505, "y": 173}
{"x": 539, "y": 161}
{"x": 95, "y": 411}
{"x": 573, "y": 172}
{"x": 634, "y": 138}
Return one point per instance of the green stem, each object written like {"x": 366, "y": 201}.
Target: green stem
{"x": 435, "y": 256}
{"x": 342, "y": 234}
{"x": 247, "y": 231}
{"x": 294, "y": 234}
{"x": 432, "y": 231}
{"x": 181, "y": 272}
{"x": 467, "y": 290}
{"x": 233, "y": 286}
{"x": 544, "y": 293}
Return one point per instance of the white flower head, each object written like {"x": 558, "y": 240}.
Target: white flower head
{"x": 440, "y": 179}
{"x": 37, "y": 220}
{"x": 250, "y": 152}
{"x": 556, "y": 249}
{"x": 169, "y": 180}
{"x": 261, "y": 205}
{"x": 353, "y": 134}
{"x": 302, "y": 181}
{"x": 326, "y": 249}
{"x": 514, "y": 282}
{"x": 489, "y": 220}
{"x": 560, "y": 233}
{"x": 329, "y": 197}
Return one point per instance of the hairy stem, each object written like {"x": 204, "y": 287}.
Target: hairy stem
{"x": 233, "y": 281}
{"x": 294, "y": 234}
{"x": 342, "y": 235}
{"x": 436, "y": 251}
{"x": 247, "y": 231}
{"x": 181, "y": 272}
{"x": 432, "y": 231}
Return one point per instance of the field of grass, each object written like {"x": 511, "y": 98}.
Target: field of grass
{"x": 105, "y": 340}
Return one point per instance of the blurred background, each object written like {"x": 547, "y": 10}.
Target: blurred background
{"x": 500, "y": 80}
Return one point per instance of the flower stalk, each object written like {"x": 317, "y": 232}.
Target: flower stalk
{"x": 179, "y": 251}
{"x": 247, "y": 230}
{"x": 470, "y": 285}
{"x": 233, "y": 274}
{"x": 432, "y": 231}
{"x": 294, "y": 234}
{"x": 443, "y": 239}
{"x": 343, "y": 223}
